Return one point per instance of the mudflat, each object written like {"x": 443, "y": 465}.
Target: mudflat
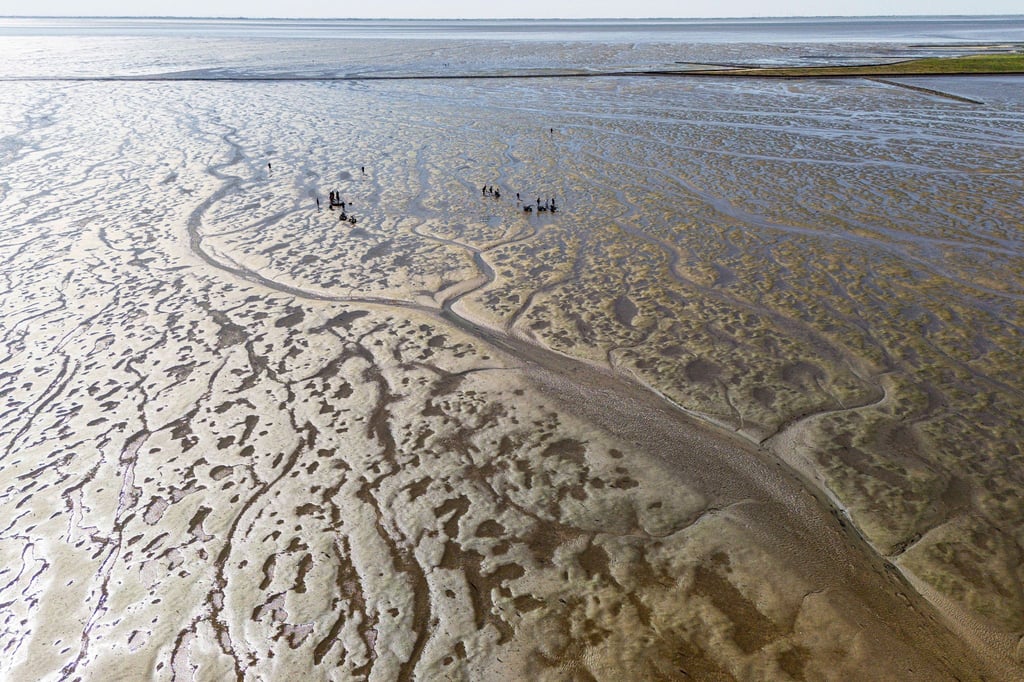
{"x": 737, "y": 398}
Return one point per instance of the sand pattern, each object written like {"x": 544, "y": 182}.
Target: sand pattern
{"x": 745, "y": 407}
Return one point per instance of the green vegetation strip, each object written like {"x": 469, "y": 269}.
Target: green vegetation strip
{"x": 976, "y": 64}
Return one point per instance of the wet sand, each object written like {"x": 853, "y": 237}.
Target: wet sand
{"x": 745, "y": 407}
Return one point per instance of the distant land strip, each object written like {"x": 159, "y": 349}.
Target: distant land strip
{"x": 973, "y": 64}
{"x": 968, "y": 65}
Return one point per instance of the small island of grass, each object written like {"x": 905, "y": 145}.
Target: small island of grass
{"x": 930, "y": 66}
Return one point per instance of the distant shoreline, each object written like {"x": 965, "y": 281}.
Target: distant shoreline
{"x": 968, "y": 65}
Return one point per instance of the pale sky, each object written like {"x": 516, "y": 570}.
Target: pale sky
{"x": 471, "y": 9}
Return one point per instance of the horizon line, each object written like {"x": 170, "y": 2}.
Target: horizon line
{"x": 509, "y": 18}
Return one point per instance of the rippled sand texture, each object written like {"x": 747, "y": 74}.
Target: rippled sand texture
{"x": 242, "y": 438}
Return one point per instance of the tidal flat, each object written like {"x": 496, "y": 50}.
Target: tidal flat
{"x": 748, "y": 405}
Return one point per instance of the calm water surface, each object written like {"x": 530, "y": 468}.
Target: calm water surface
{"x": 96, "y": 47}
{"x": 825, "y": 29}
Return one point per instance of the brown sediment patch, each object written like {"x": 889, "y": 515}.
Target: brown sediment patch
{"x": 625, "y": 310}
{"x": 764, "y": 395}
{"x": 802, "y": 374}
{"x": 794, "y": 661}
{"x": 377, "y": 251}
{"x": 702, "y": 371}
{"x": 753, "y": 630}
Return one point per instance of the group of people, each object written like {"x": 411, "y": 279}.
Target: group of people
{"x": 486, "y": 190}
{"x": 336, "y": 200}
{"x": 548, "y": 205}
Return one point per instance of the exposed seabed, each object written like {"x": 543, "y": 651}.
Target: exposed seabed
{"x": 739, "y": 409}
